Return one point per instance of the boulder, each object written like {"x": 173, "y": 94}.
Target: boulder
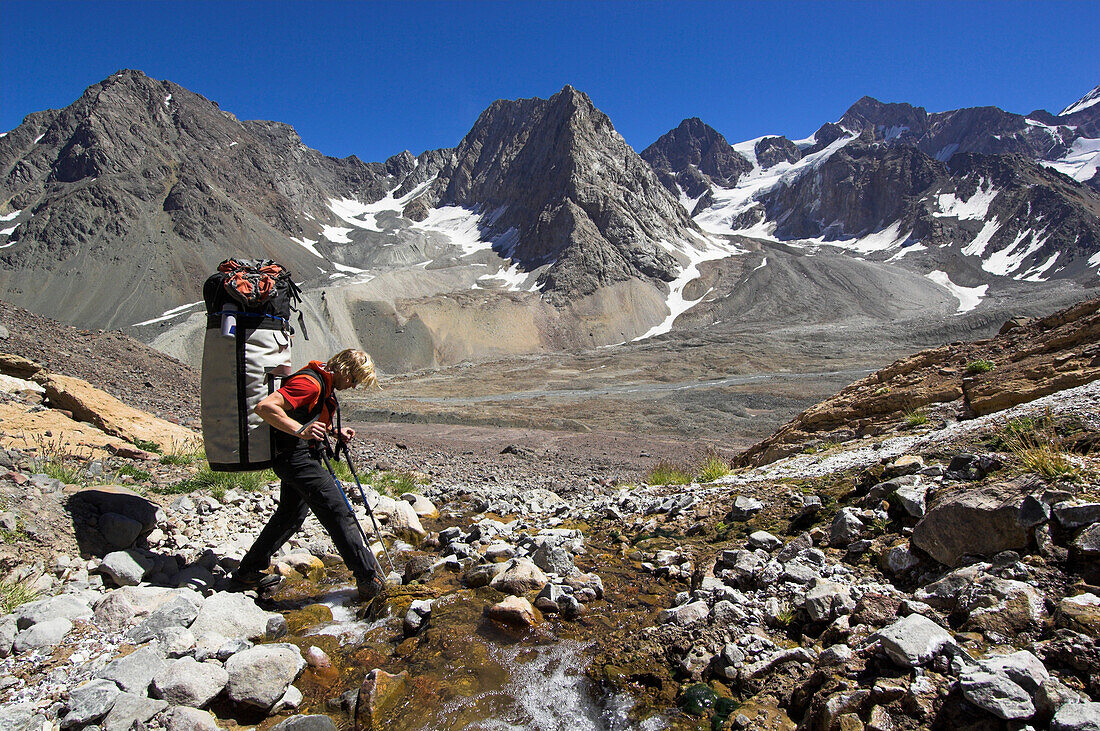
{"x": 184, "y": 718}
{"x": 1080, "y": 613}
{"x": 64, "y": 606}
{"x": 519, "y": 576}
{"x": 554, "y": 560}
{"x": 685, "y": 615}
{"x": 400, "y": 518}
{"x": 187, "y": 682}
{"x": 119, "y": 501}
{"x": 1004, "y": 606}
{"x": 1077, "y": 717}
{"x": 913, "y": 640}
{"x": 827, "y": 600}
{"x": 744, "y": 508}
{"x": 995, "y": 693}
{"x": 514, "y": 610}
{"x": 125, "y": 568}
{"x": 259, "y": 677}
{"x": 131, "y": 708}
{"x": 379, "y": 697}
{"x": 1075, "y": 514}
{"x": 134, "y": 672}
{"x": 232, "y": 616}
{"x": 89, "y": 703}
{"x": 177, "y": 612}
{"x": 765, "y": 540}
{"x": 979, "y": 521}
{"x": 422, "y": 506}
{"x": 1088, "y": 543}
{"x": 306, "y": 723}
{"x": 43, "y": 634}
{"x": 88, "y": 403}
{"x": 119, "y": 531}
{"x": 482, "y": 574}
{"x": 846, "y": 527}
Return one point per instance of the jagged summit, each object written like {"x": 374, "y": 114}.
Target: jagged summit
{"x": 694, "y": 156}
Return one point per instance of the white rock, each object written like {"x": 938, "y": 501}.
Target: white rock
{"x": 913, "y": 640}
{"x": 259, "y": 677}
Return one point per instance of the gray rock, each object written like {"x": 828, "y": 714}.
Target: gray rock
{"x": 911, "y": 498}
{"x": 1033, "y": 512}
{"x": 130, "y": 708}
{"x": 305, "y": 723}
{"x": 115, "y": 612}
{"x": 554, "y": 560}
{"x": 586, "y": 587}
{"x": 765, "y": 540}
{"x": 794, "y": 548}
{"x": 980, "y": 521}
{"x": 826, "y": 600}
{"x": 482, "y": 574}
{"x": 43, "y": 634}
{"x": 834, "y": 655}
{"x": 797, "y": 572}
{"x": 189, "y": 683}
{"x": 549, "y": 599}
{"x": 913, "y": 640}
{"x": 997, "y": 694}
{"x": 685, "y": 615}
{"x": 416, "y": 619}
{"x": 1077, "y": 717}
{"x": 259, "y": 677}
{"x": 21, "y": 718}
{"x": 1022, "y": 668}
{"x": 125, "y": 568}
{"x": 119, "y": 530}
{"x": 846, "y": 527}
{"x": 900, "y": 559}
{"x": 1076, "y": 514}
{"x": 65, "y": 606}
{"x": 8, "y": 630}
{"x": 134, "y": 672}
{"x": 744, "y": 508}
{"x": 233, "y": 616}
{"x": 183, "y": 718}
{"x": 1088, "y": 543}
{"x": 176, "y": 612}
{"x": 90, "y": 702}
{"x": 1052, "y": 695}
{"x": 520, "y": 575}
{"x": 176, "y": 641}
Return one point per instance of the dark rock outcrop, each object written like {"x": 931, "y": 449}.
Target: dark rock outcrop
{"x": 693, "y": 157}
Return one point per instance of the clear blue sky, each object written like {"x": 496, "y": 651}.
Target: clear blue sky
{"x": 376, "y": 78}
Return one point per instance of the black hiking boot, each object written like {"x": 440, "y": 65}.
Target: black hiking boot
{"x": 258, "y": 580}
{"x": 372, "y": 591}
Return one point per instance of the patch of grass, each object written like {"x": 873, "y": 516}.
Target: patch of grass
{"x": 1041, "y": 450}
{"x": 881, "y": 391}
{"x": 785, "y": 617}
{"x": 396, "y": 484}
{"x": 219, "y": 482}
{"x": 183, "y": 456}
{"x": 147, "y": 446}
{"x": 15, "y": 593}
{"x": 819, "y": 447}
{"x": 56, "y": 462}
{"x": 128, "y": 470}
{"x": 667, "y": 473}
{"x": 915, "y": 418}
{"x": 980, "y": 366}
{"x": 711, "y": 468}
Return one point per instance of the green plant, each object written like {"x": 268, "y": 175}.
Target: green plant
{"x": 667, "y": 473}
{"x": 15, "y": 593}
{"x": 980, "y": 366}
{"x": 395, "y": 483}
{"x": 819, "y": 447}
{"x": 1040, "y": 450}
{"x": 55, "y": 461}
{"x": 147, "y": 446}
{"x": 915, "y": 418}
{"x": 784, "y": 617}
{"x": 712, "y": 468}
{"x": 180, "y": 455}
{"x": 881, "y": 391}
{"x": 219, "y": 482}
{"x": 128, "y": 470}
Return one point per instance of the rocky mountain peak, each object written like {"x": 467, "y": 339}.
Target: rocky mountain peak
{"x": 1088, "y": 101}
{"x": 889, "y": 119}
{"x": 694, "y": 156}
{"x": 564, "y": 191}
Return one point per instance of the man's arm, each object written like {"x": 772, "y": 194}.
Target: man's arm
{"x": 273, "y": 410}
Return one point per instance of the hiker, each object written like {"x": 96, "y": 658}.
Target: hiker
{"x": 301, "y": 414}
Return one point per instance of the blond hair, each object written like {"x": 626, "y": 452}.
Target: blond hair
{"x": 355, "y": 365}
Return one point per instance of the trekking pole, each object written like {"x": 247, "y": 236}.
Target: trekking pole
{"x": 343, "y": 445}
{"x": 325, "y": 451}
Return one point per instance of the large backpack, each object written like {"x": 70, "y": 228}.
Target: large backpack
{"x": 247, "y": 347}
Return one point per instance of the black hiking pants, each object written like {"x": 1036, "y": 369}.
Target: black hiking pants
{"x": 307, "y": 485}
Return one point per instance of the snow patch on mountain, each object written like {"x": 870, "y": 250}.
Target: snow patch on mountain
{"x": 511, "y": 279}
{"x": 169, "y": 314}
{"x": 708, "y": 250}
{"x": 977, "y": 246}
{"x": 968, "y": 297}
{"x": 307, "y": 244}
{"x": 1009, "y": 259}
{"x": 974, "y": 208}
{"x": 732, "y": 202}
{"x": 1082, "y": 160}
{"x": 1035, "y": 274}
{"x": 10, "y": 216}
{"x": 335, "y": 234}
{"x": 1093, "y": 97}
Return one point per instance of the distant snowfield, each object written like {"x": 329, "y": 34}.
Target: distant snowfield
{"x": 975, "y": 208}
{"x": 169, "y": 314}
{"x": 1082, "y": 161}
{"x": 732, "y": 202}
{"x": 968, "y": 297}
{"x": 10, "y": 216}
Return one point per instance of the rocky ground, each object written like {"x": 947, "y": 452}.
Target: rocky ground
{"x": 938, "y": 570}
